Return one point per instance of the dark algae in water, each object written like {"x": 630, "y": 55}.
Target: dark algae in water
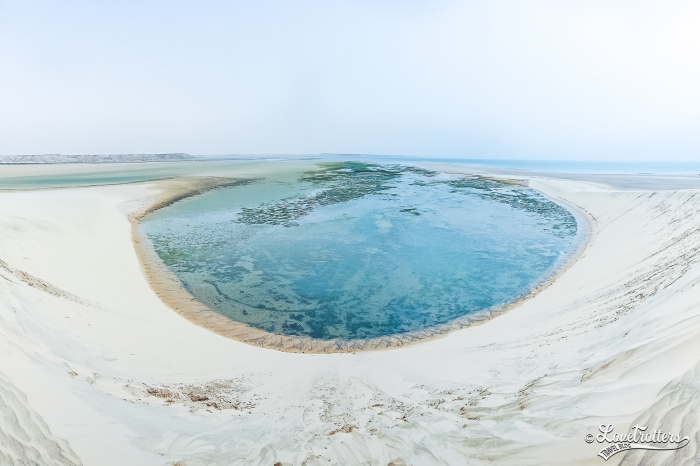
{"x": 360, "y": 251}
{"x": 339, "y": 182}
{"x": 561, "y": 221}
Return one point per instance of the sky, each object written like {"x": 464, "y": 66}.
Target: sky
{"x": 565, "y": 80}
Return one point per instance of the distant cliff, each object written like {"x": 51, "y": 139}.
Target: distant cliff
{"x": 111, "y": 158}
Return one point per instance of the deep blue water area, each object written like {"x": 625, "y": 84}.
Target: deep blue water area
{"x": 352, "y": 250}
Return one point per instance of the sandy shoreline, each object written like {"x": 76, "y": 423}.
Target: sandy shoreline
{"x": 97, "y": 370}
{"x": 171, "y": 291}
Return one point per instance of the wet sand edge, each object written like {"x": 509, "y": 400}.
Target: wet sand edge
{"x": 172, "y": 293}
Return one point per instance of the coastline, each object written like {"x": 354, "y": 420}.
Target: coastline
{"x": 119, "y": 378}
{"x": 173, "y": 294}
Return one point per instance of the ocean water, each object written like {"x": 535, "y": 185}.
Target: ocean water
{"x": 357, "y": 251}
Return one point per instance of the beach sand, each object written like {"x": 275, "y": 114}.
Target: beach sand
{"x": 97, "y": 370}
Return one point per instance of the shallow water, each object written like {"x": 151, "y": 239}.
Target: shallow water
{"x": 42, "y": 176}
{"x": 358, "y": 251}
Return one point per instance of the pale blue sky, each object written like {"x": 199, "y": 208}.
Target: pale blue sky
{"x": 507, "y": 79}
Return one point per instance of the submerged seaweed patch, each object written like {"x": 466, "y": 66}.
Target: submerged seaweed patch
{"x": 339, "y": 182}
{"x": 561, "y": 221}
{"x": 345, "y": 181}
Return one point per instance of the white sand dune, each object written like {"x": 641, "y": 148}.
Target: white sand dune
{"x": 24, "y": 436}
{"x": 124, "y": 380}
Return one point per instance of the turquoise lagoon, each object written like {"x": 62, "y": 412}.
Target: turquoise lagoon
{"x": 349, "y": 250}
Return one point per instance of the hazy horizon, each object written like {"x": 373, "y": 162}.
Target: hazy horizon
{"x": 689, "y": 162}
{"x": 550, "y": 80}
